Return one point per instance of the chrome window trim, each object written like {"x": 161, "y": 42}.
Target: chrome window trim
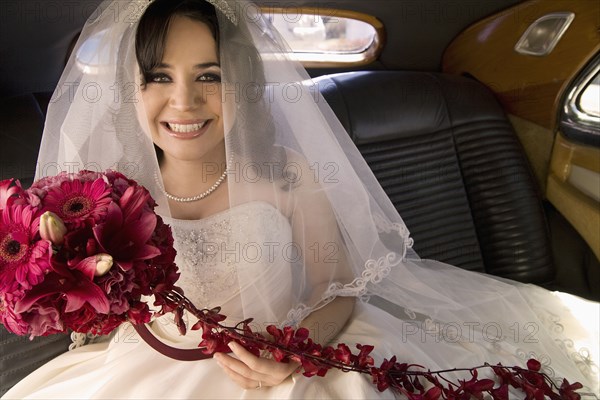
{"x": 572, "y": 111}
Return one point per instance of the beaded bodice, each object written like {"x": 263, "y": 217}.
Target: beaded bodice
{"x": 233, "y": 259}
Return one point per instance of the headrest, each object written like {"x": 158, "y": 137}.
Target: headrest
{"x": 423, "y": 103}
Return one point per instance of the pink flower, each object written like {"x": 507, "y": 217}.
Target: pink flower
{"x": 124, "y": 233}
{"x": 75, "y": 201}
{"x": 380, "y": 375}
{"x": 11, "y": 320}
{"x": 119, "y": 182}
{"x": 118, "y": 285}
{"x": 8, "y": 193}
{"x": 74, "y": 286}
{"x": 43, "y": 184}
{"x": 162, "y": 237}
{"x": 139, "y": 313}
{"x": 22, "y": 257}
{"x": 475, "y": 387}
{"x": 44, "y": 319}
{"x": 500, "y": 393}
{"x": 49, "y": 181}
{"x": 87, "y": 319}
{"x": 567, "y": 390}
{"x": 343, "y": 353}
{"x": 364, "y": 359}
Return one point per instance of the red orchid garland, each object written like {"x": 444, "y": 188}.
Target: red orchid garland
{"x": 78, "y": 251}
{"x": 290, "y": 344}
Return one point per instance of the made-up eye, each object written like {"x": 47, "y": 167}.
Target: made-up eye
{"x": 209, "y": 78}
{"x": 157, "y": 78}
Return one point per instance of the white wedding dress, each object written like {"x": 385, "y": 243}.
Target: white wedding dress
{"x": 250, "y": 239}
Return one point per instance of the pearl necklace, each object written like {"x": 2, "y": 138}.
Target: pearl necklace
{"x": 194, "y": 198}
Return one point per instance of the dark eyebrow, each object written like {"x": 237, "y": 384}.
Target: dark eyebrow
{"x": 197, "y": 66}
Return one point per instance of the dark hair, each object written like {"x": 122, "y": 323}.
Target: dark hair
{"x": 154, "y": 24}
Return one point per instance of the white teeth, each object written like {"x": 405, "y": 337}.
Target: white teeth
{"x": 183, "y": 128}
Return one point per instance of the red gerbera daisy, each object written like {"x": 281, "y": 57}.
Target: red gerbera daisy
{"x": 22, "y": 258}
{"x": 75, "y": 201}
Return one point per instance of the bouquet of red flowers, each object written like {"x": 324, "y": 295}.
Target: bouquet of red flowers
{"x": 82, "y": 251}
{"x": 78, "y": 252}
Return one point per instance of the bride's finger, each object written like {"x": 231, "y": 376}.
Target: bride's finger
{"x": 253, "y": 362}
{"x": 239, "y": 367}
{"x": 272, "y": 370}
{"x": 241, "y": 381}
{"x": 265, "y": 365}
{"x": 249, "y": 366}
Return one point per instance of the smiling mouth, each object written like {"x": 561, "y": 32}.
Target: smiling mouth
{"x": 185, "y": 128}
{"x": 186, "y": 131}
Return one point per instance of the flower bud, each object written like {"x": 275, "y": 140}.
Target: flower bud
{"x": 52, "y": 228}
{"x": 104, "y": 263}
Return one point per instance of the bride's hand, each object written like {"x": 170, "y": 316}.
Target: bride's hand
{"x": 251, "y": 372}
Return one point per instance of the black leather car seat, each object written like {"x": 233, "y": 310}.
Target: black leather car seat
{"x": 450, "y": 161}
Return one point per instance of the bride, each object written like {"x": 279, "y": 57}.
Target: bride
{"x": 196, "y": 106}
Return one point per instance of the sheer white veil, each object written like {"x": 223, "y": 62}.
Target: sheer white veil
{"x": 285, "y": 147}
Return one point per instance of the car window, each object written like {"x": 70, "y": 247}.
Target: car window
{"x": 589, "y": 100}
{"x": 317, "y": 38}
{"x": 325, "y": 37}
{"x": 581, "y": 117}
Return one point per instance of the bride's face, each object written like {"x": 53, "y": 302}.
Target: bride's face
{"x": 182, "y": 97}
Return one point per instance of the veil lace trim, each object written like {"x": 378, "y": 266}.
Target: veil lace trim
{"x": 374, "y": 272}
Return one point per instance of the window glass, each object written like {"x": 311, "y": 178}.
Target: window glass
{"x": 589, "y": 100}
{"x": 326, "y": 38}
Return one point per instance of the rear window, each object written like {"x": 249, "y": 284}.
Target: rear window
{"x": 318, "y": 37}
{"x": 321, "y": 37}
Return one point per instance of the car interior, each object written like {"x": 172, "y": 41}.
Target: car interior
{"x": 478, "y": 137}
